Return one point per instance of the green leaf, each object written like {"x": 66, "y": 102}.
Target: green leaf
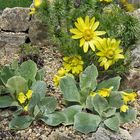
{"x": 53, "y": 119}
{"x": 6, "y": 73}
{"x": 109, "y": 112}
{"x": 40, "y": 74}
{"x": 20, "y": 122}
{"x": 128, "y": 116}
{"x": 88, "y": 78}
{"x": 86, "y": 123}
{"x": 7, "y": 101}
{"x": 112, "y": 123}
{"x": 70, "y": 112}
{"x": 112, "y": 82}
{"x": 28, "y": 70}
{"x": 16, "y": 84}
{"x": 39, "y": 88}
{"x": 115, "y": 99}
{"x": 69, "y": 89}
{"x": 48, "y": 105}
{"x": 100, "y": 104}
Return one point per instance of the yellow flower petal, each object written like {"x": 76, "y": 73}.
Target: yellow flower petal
{"x": 86, "y": 47}
{"x": 21, "y": 97}
{"x": 124, "y": 108}
{"x": 82, "y": 41}
{"x": 29, "y": 94}
{"x": 95, "y": 26}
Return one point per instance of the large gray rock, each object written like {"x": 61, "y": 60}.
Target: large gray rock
{"x": 37, "y": 32}
{"x": 104, "y": 134}
{"x": 136, "y": 134}
{"x": 15, "y": 39}
{"x": 135, "y": 56}
{"x": 15, "y": 19}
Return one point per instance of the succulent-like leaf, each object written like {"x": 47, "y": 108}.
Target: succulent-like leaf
{"x": 16, "y": 84}
{"x": 20, "y": 122}
{"x": 88, "y": 78}
{"x": 115, "y": 99}
{"x": 53, "y": 119}
{"x": 40, "y": 74}
{"x": 28, "y": 70}
{"x": 99, "y": 103}
{"x": 109, "y": 112}
{"x": 128, "y": 116}
{"x": 7, "y": 101}
{"x": 69, "y": 89}
{"x": 112, "y": 82}
{"x": 112, "y": 123}
{"x": 48, "y": 105}
{"x": 86, "y": 123}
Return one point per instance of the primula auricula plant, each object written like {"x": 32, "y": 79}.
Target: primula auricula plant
{"x": 24, "y": 89}
{"x": 98, "y": 104}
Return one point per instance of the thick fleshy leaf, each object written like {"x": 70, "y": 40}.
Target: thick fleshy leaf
{"x": 115, "y": 99}
{"x": 53, "y": 119}
{"x": 20, "y": 122}
{"x": 40, "y": 74}
{"x": 112, "y": 82}
{"x": 28, "y": 70}
{"x": 69, "y": 89}
{"x": 128, "y": 116}
{"x": 7, "y": 101}
{"x": 16, "y": 84}
{"x": 112, "y": 123}
{"x": 109, "y": 112}
{"x": 100, "y": 104}
{"x": 88, "y": 78}
{"x": 86, "y": 123}
{"x": 48, "y": 105}
{"x": 69, "y": 114}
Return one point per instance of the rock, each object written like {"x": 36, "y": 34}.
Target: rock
{"x": 15, "y": 39}
{"x": 135, "y": 56}
{"x": 15, "y": 19}
{"x": 136, "y": 134}
{"x": 104, "y": 134}
{"x": 58, "y": 136}
{"x": 136, "y": 13}
{"x": 132, "y": 81}
{"x": 37, "y": 32}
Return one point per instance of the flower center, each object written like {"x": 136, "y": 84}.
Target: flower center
{"x": 110, "y": 54}
{"x": 88, "y": 34}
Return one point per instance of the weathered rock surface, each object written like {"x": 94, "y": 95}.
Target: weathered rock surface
{"x": 103, "y": 134}
{"x": 37, "y": 32}
{"x": 12, "y": 38}
{"x": 15, "y": 19}
{"x": 136, "y": 134}
{"x": 135, "y": 56}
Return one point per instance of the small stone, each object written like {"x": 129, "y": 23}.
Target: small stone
{"x": 136, "y": 134}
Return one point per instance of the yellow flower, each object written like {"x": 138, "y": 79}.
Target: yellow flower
{"x": 33, "y": 10}
{"x": 73, "y": 64}
{"x": 124, "y": 108}
{"x": 109, "y": 52}
{"x": 85, "y": 31}
{"x": 129, "y": 97}
{"x": 29, "y": 94}
{"x": 108, "y": 1}
{"x": 37, "y": 3}
{"x": 129, "y": 7}
{"x": 92, "y": 94}
{"x": 105, "y": 92}
{"x": 21, "y": 97}
{"x": 57, "y": 77}
{"x": 26, "y": 107}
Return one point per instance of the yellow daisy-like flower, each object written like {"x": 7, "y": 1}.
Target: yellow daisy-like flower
{"x": 86, "y": 32}
{"x": 105, "y": 92}
{"x": 37, "y": 3}
{"x": 21, "y": 97}
{"x": 124, "y": 108}
{"x": 26, "y": 107}
{"x": 57, "y": 77}
{"x": 108, "y": 1}
{"x": 129, "y": 7}
{"x": 29, "y": 94}
{"x": 73, "y": 64}
{"x": 109, "y": 52}
{"x": 129, "y": 97}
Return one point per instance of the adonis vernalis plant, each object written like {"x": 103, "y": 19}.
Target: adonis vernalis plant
{"x": 86, "y": 32}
